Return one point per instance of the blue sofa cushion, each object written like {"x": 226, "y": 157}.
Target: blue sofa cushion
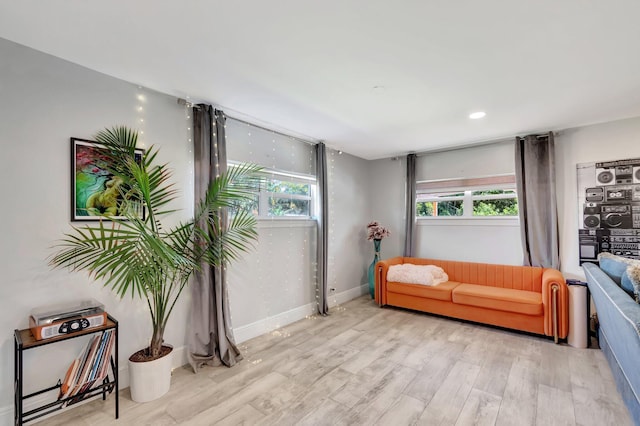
{"x": 626, "y": 284}
{"x": 623, "y": 271}
{"x": 631, "y": 281}
{"x": 614, "y": 266}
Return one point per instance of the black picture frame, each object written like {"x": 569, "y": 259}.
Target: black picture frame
{"x": 94, "y": 190}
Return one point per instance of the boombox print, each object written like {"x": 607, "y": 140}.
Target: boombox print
{"x": 609, "y": 197}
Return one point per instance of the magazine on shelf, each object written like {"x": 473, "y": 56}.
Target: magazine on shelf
{"x": 84, "y": 374}
{"x": 73, "y": 373}
{"x": 90, "y": 368}
{"x": 69, "y": 379}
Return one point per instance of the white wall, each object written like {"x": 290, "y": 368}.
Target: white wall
{"x": 45, "y": 101}
{"x": 486, "y": 240}
{"x": 601, "y": 142}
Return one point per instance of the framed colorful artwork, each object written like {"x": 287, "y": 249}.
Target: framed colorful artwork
{"x": 95, "y": 191}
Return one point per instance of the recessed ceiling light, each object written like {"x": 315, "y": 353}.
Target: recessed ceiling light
{"x": 476, "y": 115}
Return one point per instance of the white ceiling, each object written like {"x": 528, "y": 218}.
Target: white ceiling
{"x": 310, "y": 67}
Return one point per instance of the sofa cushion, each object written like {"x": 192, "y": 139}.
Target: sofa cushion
{"x": 613, "y": 265}
{"x": 508, "y": 276}
{"x": 631, "y": 281}
{"x": 623, "y": 271}
{"x": 440, "y": 292}
{"x": 501, "y": 299}
{"x": 627, "y": 284}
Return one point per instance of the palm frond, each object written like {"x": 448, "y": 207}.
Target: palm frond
{"x": 137, "y": 256}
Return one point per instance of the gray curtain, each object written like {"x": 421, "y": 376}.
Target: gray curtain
{"x": 323, "y": 230}
{"x": 410, "y": 209}
{"x": 210, "y": 335}
{"x": 536, "y": 183}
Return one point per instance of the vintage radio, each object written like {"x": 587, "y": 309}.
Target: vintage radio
{"x": 621, "y": 242}
{"x": 605, "y": 176}
{"x": 588, "y": 244}
{"x": 594, "y": 194}
{"x": 616, "y": 193}
{"x": 621, "y": 172}
{"x": 624, "y": 174}
{"x": 51, "y": 321}
{"x": 591, "y": 215}
{"x": 616, "y": 216}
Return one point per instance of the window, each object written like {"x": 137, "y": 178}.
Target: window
{"x": 284, "y": 195}
{"x": 493, "y": 196}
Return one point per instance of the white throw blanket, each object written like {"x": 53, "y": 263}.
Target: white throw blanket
{"x": 417, "y": 274}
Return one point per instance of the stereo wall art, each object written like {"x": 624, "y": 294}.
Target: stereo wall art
{"x": 609, "y": 205}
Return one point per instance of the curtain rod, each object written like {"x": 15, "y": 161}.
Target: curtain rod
{"x": 465, "y": 146}
{"x": 479, "y": 144}
{"x": 537, "y": 136}
{"x": 271, "y": 130}
{"x": 186, "y": 103}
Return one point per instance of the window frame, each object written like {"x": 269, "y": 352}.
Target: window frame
{"x": 467, "y": 186}
{"x": 263, "y": 195}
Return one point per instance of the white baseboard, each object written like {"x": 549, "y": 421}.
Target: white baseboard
{"x": 263, "y": 326}
{"x": 266, "y": 325}
{"x": 345, "y": 296}
{"x": 6, "y": 415}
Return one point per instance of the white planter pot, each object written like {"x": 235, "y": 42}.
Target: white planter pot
{"x": 150, "y": 380}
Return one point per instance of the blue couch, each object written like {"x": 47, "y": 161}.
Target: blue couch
{"x": 619, "y": 334}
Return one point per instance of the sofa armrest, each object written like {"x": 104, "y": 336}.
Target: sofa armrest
{"x": 553, "y": 279}
{"x": 381, "y": 269}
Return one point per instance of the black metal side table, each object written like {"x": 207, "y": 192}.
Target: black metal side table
{"x": 24, "y": 340}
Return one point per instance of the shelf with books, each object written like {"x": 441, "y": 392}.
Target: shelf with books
{"x": 94, "y": 372}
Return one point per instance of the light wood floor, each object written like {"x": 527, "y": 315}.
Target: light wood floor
{"x": 364, "y": 365}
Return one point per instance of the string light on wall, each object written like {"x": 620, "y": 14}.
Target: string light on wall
{"x": 188, "y": 111}
{"x": 140, "y": 103}
{"x": 265, "y": 251}
{"x": 331, "y": 264}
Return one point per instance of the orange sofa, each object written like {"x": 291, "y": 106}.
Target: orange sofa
{"x": 524, "y": 298}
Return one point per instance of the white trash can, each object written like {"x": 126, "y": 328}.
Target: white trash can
{"x": 578, "y": 321}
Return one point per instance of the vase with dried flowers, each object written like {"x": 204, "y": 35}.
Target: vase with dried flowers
{"x": 375, "y": 232}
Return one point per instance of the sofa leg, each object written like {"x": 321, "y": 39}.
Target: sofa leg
{"x": 554, "y": 307}
{"x": 377, "y": 289}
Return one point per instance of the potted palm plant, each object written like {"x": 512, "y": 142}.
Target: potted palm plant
{"x": 137, "y": 256}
